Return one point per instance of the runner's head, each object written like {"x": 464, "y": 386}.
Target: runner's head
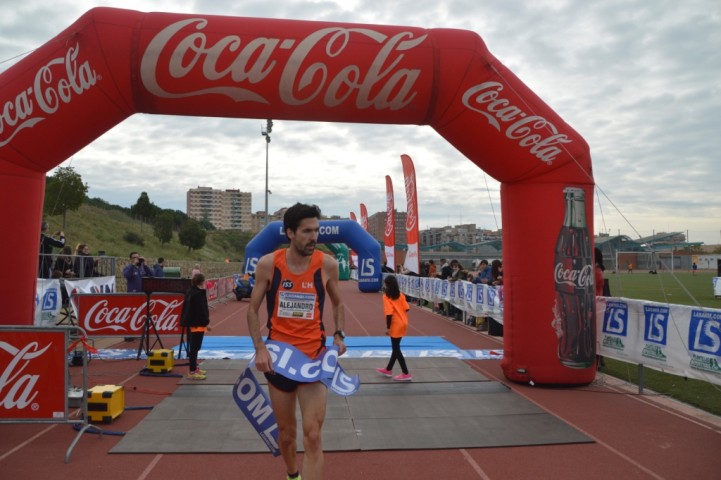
{"x": 295, "y": 214}
{"x": 301, "y": 224}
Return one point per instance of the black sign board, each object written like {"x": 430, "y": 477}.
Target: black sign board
{"x": 166, "y": 285}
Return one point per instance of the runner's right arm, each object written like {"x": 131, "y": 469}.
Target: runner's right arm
{"x": 263, "y": 272}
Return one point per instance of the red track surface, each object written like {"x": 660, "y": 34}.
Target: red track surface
{"x": 644, "y": 437}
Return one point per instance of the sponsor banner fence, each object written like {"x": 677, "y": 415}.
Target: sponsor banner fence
{"x": 676, "y": 339}
{"x": 472, "y": 298}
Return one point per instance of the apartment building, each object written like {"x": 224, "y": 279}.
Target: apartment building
{"x": 225, "y": 209}
{"x": 377, "y": 226}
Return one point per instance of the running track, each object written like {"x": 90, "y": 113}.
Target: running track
{"x": 636, "y": 436}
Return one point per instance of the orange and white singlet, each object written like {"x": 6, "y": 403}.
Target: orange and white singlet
{"x": 295, "y": 305}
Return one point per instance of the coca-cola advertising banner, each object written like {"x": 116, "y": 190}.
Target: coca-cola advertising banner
{"x": 389, "y": 233}
{"x": 413, "y": 261}
{"x": 113, "y": 63}
{"x": 124, "y": 314}
{"x": 32, "y": 373}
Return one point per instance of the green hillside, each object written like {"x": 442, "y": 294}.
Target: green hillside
{"x": 104, "y": 229}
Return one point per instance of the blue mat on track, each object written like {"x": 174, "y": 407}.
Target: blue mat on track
{"x": 358, "y": 347}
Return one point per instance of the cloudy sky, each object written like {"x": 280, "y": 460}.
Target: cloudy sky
{"x": 640, "y": 80}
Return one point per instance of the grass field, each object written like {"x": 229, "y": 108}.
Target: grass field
{"x": 680, "y": 288}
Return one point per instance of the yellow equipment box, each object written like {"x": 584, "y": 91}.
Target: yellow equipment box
{"x": 105, "y": 403}
{"x": 160, "y": 361}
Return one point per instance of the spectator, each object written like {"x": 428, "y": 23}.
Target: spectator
{"x": 47, "y": 242}
{"x": 484, "y": 273}
{"x": 446, "y": 270}
{"x": 424, "y": 269}
{"x": 432, "y": 272}
{"x": 159, "y": 268}
{"x": 495, "y": 328}
{"x": 457, "y": 273}
{"x": 64, "y": 263}
{"x": 196, "y": 270}
{"x": 600, "y": 286}
{"x": 135, "y": 271}
{"x": 496, "y": 273}
{"x": 196, "y": 317}
{"x": 84, "y": 264}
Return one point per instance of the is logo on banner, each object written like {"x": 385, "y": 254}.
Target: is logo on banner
{"x": 615, "y": 324}
{"x": 655, "y": 332}
{"x": 704, "y": 340}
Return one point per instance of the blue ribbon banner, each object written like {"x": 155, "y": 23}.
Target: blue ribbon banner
{"x": 294, "y": 364}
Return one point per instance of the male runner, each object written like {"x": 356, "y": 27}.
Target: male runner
{"x": 309, "y": 275}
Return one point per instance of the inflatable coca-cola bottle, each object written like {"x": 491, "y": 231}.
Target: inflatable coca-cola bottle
{"x": 575, "y": 312}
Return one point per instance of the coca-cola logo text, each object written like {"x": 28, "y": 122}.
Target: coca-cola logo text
{"x": 102, "y": 316}
{"x": 389, "y": 215}
{"x": 228, "y": 63}
{"x": 582, "y": 278}
{"x": 55, "y": 84}
{"x": 18, "y": 390}
{"x": 411, "y": 214}
{"x": 530, "y": 131}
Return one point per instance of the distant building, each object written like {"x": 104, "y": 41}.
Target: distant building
{"x": 258, "y": 222}
{"x": 377, "y": 227}
{"x": 225, "y": 209}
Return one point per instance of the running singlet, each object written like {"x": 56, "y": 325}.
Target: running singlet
{"x": 295, "y": 305}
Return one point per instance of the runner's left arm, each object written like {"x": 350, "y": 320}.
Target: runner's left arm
{"x": 330, "y": 265}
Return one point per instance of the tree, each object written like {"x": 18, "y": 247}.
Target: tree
{"x": 64, "y": 191}
{"x": 163, "y": 227}
{"x": 192, "y": 235}
{"x": 144, "y": 209}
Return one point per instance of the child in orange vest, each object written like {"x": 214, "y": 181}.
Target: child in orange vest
{"x": 395, "y": 308}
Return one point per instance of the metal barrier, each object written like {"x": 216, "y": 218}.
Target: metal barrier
{"x": 37, "y": 371}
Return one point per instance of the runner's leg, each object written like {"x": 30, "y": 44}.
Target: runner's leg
{"x": 284, "y": 410}
{"x": 312, "y": 398}
{"x": 398, "y": 353}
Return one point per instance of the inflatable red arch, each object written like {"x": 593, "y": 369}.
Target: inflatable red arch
{"x": 113, "y": 63}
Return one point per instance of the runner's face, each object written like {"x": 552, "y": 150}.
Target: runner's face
{"x": 303, "y": 240}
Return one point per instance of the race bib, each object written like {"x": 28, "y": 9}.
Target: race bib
{"x": 296, "y": 305}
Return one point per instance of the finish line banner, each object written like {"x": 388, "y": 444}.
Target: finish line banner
{"x": 294, "y": 364}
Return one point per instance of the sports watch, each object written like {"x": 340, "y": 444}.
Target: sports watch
{"x": 340, "y": 333}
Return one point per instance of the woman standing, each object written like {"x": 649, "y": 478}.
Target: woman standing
{"x": 196, "y": 317}
{"x": 395, "y": 308}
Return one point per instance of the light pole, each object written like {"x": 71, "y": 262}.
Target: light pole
{"x": 265, "y": 131}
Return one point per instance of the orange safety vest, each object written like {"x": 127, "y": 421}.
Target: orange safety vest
{"x": 398, "y": 308}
